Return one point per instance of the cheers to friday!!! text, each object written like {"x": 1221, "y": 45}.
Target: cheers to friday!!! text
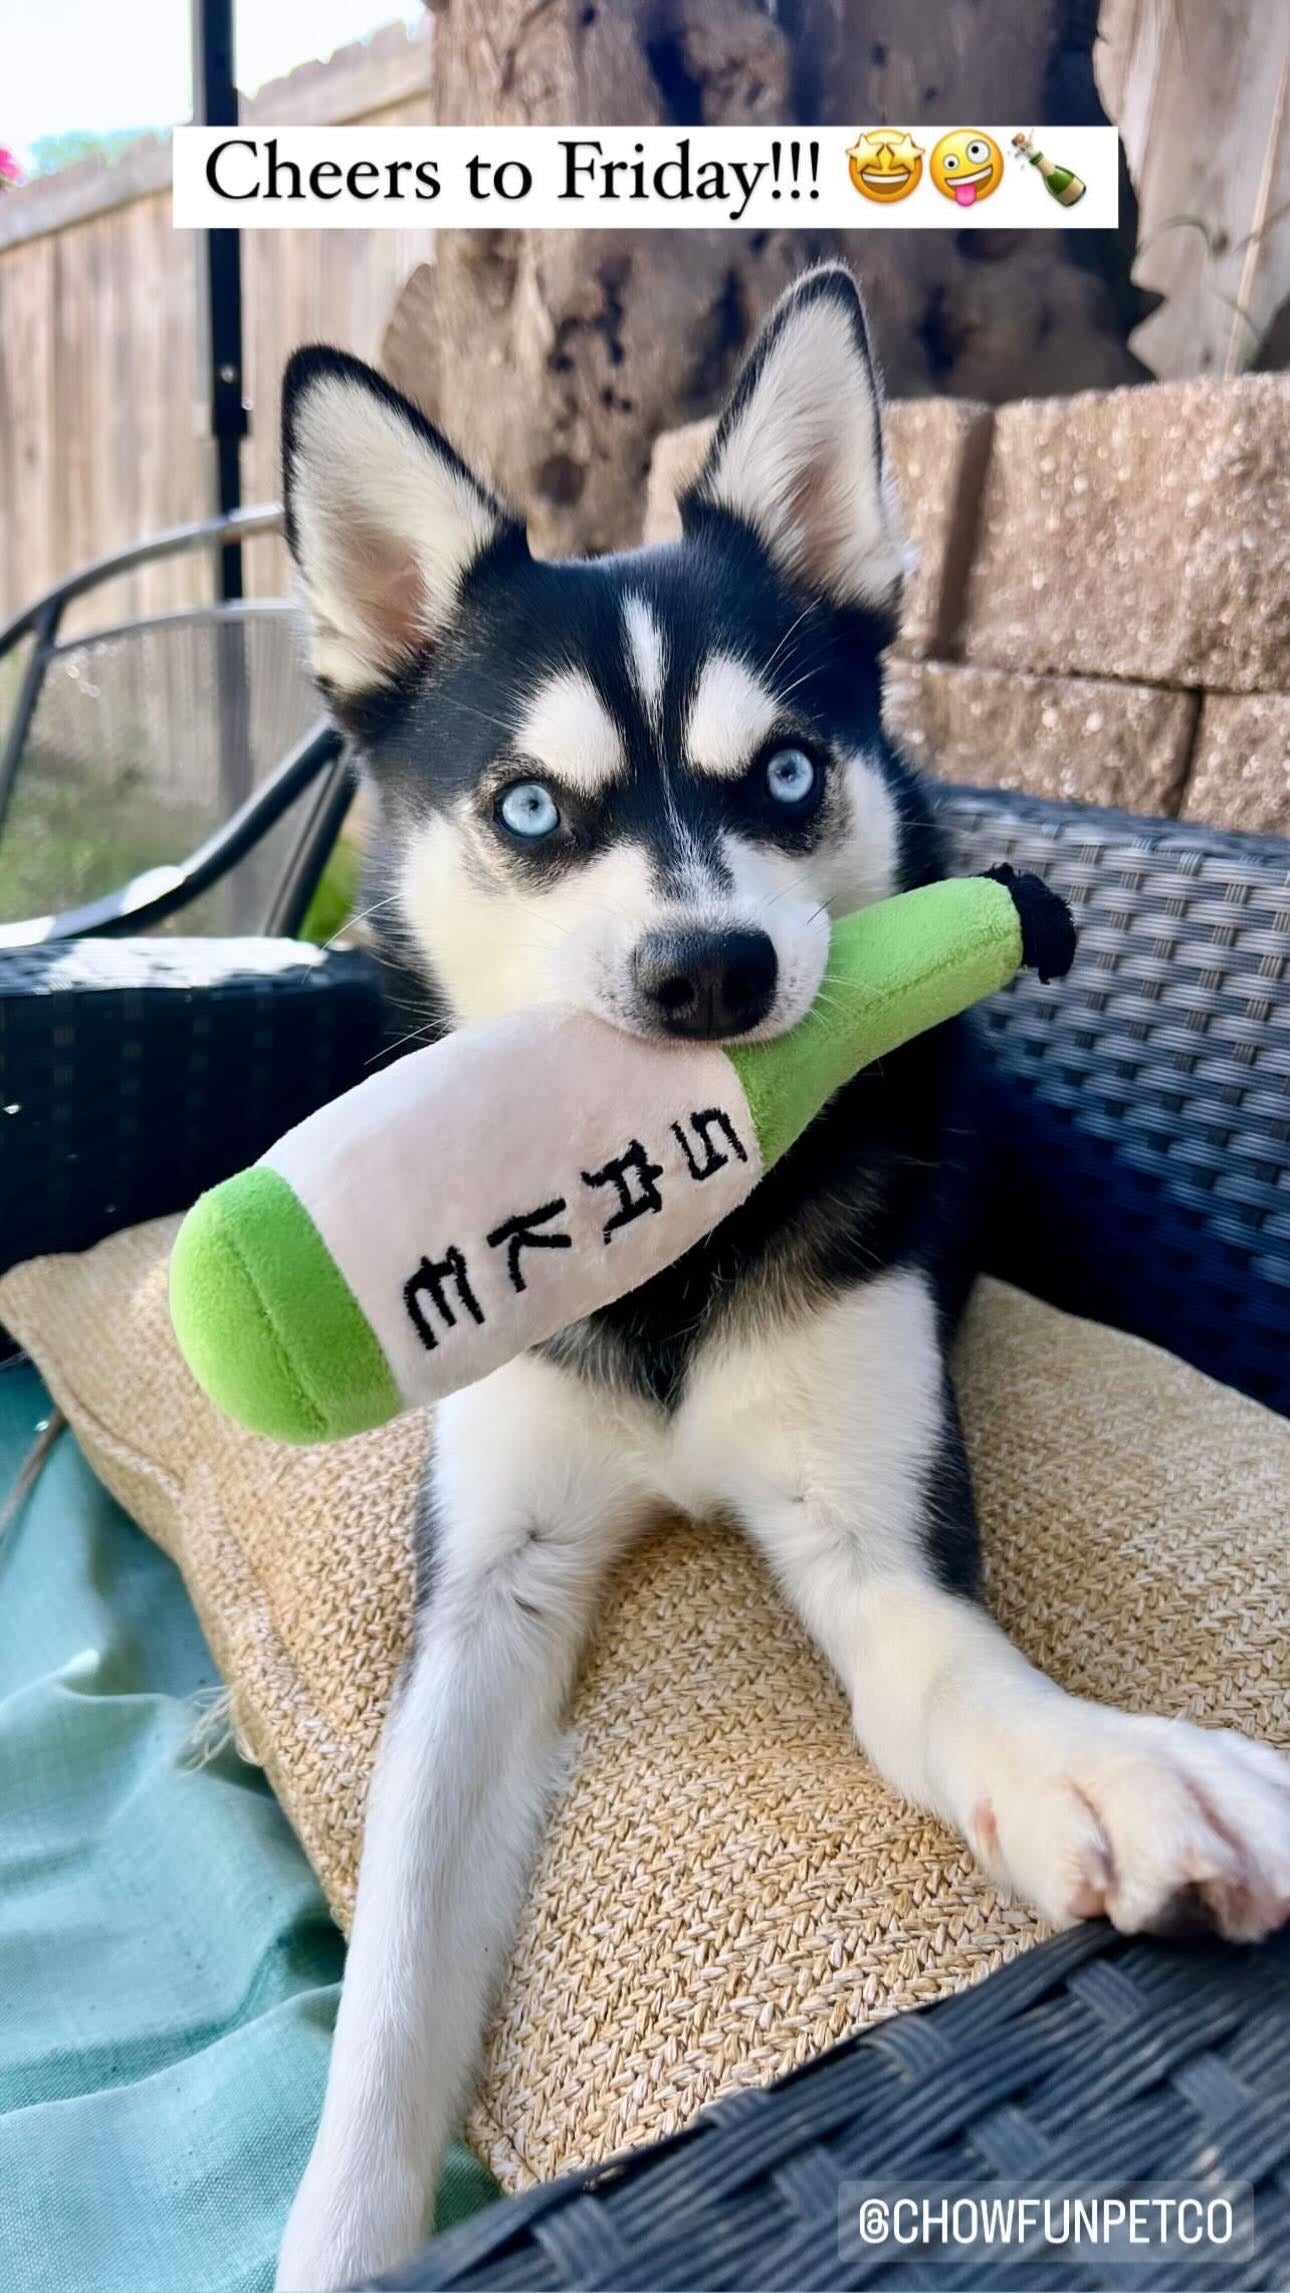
{"x": 255, "y": 167}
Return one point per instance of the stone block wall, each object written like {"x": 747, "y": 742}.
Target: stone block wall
{"x": 1100, "y": 608}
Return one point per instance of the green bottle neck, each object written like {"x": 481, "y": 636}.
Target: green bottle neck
{"x": 894, "y": 970}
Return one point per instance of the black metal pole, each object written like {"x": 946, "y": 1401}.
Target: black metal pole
{"x": 215, "y": 104}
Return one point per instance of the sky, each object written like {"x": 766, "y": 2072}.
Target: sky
{"x": 102, "y": 64}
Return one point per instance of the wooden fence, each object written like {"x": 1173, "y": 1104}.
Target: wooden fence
{"x": 101, "y": 421}
{"x": 1201, "y": 93}
{"x": 101, "y": 433}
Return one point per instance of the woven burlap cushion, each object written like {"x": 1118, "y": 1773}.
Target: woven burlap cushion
{"x": 726, "y": 1887}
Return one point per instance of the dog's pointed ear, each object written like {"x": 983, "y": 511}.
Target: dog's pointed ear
{"x": 383, "y": 519}
{"x": 797, "y": 452}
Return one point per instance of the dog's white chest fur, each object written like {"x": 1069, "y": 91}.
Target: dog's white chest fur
{"x": 783, "y": 1407}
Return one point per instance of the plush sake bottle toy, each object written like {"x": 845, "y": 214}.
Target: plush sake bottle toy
{"x": 477, "y": 1196}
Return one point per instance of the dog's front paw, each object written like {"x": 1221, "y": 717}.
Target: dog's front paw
{"x": 345, "y": 2228}
{"x": 1162, "y": 1827}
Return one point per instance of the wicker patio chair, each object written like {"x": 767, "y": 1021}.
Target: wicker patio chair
{"x": 1142, "y": 1165}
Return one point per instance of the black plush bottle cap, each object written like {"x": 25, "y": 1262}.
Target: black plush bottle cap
{"x": 1048, "y": 934}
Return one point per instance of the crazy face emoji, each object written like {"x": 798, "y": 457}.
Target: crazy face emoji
{"x": 886, "y": 164}
{"x": 967, "y": 166}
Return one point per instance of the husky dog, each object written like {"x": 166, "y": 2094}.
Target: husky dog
{"x": 644, "y": 785}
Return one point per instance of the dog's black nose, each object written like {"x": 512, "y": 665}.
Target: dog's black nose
{"x": 709, "y": 984}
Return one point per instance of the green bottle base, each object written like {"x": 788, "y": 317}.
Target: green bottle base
{"x": 267, "y": 1323}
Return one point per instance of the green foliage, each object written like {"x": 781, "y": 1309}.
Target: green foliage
{"x": 49, "y": 153}
{"x": 74, "y": 831}
{"x": 334, "y": 901}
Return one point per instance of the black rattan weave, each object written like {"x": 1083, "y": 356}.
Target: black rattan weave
{"x": 134, "y": 1073}
{"x": 1142, "y": 1140}
{"x": 1089, "y": 2062}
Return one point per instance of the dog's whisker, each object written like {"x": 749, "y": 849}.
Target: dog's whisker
{"x": 360, "y": 916}
{"x": 502, "y": 725}
{"x": 789, "y": 633}
{"x": 423, "y": 1034}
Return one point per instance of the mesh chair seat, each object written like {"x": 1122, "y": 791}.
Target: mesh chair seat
{"x": 126, "y": 750}
{"x": 144, "y": 741}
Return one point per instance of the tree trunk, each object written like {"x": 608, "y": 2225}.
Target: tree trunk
{"x": 554, "y": 358}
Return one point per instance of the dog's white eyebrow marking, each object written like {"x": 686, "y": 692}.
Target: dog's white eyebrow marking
{"x": 646, "y": 652}
{"x": 567, "y": 728}
{"x": 731, "y": 714}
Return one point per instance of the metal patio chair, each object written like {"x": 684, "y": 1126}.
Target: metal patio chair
{"x": 169, "y": 763}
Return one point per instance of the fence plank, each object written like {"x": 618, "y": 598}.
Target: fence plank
{"x": 1201, "y": 92}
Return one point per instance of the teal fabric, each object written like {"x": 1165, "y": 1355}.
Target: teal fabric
{"x": 168, "y": 1969}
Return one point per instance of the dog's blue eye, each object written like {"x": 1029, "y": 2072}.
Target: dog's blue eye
{"x": 790, "y": 776}
{"x": 529, "y": 809}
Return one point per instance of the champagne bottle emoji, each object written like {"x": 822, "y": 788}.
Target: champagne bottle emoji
{"x": 1062, "y": 183}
